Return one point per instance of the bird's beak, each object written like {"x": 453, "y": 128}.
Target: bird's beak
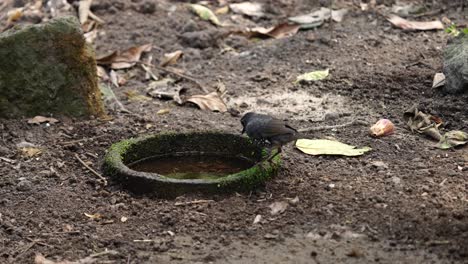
{"x": 243, "y": 130}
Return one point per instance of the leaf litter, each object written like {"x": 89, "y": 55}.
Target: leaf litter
{"x": 123, "y": 59}
{"x": 211, "y": 101}
{"x": 329, "y": 147}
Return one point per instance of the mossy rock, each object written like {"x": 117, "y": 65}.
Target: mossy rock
{"x": 456, "y": 64}
{"x": 132, "y": 150}
{"x": 48, "y": 69}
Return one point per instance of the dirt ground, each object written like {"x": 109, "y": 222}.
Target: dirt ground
{"x": 404, "y": 202}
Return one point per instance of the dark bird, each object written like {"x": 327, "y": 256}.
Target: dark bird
{"x": 264, "y": 127}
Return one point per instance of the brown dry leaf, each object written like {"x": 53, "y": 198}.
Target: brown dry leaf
{"x": 414, "y": 25}
{"x": 124, "y": 59}
{"x": 278, "y": 207}
{"x": 280, "y": 31}
{"x": 210, "y": 101}
{"x": 83, "y": 10}
{"x": 30, "y": 152}
{"x": 42, "y": 119}
{"x": 171, "y": 58}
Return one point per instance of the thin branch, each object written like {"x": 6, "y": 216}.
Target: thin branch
{"x": 181, "y": 75}
{"x": 320, "y": 128}
{"x": 91, "y": 170}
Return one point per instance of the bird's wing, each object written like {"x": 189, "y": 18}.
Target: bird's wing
{"x": 276, "y": 127}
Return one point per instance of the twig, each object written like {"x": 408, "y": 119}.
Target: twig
{"x": 61, "y": 232}
{"x": 91, "y": 170}
{"x": 80, "y": 140}
{"x": 28, "y": 247}
{"x": 194, "y": 202}
{"x": 7, "y": 160}
{"x": 320, "y": 128}
{"x": 182, "y": 76}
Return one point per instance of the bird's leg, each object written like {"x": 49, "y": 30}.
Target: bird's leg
{"x": 278, "y": 151}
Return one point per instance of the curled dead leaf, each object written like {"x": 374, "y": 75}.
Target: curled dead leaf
{"x": 414, "y": 25}
{"x": 83, "y": 10}
{"x": 93, "y": 216}
{"x": 30, "y": 152}
{"x": 211, "y": 101}
{"x": 42, "y": 119}
{"x": 205, "y": 13}
{"x": 283, "y": 30}
{"x": 171, "y": 58}
{"x": 278, "y": 207}
{"x": 124, "y": 59}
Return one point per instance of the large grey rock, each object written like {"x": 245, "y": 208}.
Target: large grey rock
{"x": 48, "y": 69}
{"x": 456, "y": 65}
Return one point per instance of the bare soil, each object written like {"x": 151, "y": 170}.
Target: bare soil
{"x": 404, "y": 202}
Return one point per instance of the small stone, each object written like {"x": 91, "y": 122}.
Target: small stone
{"x": 379, "y": 164}
{"x": 396, "y": 180}
{"x": 243, "y": 105}
{"x": 24, "y": 185}
{"x": 331, "y": 116}
{"x": 147, "y": 7}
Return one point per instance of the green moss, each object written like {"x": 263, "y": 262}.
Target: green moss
{"x": 48, "y": 69}
{"x": 132, "y": 150}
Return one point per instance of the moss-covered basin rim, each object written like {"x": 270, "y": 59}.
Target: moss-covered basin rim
{"x": 131, "y": 150}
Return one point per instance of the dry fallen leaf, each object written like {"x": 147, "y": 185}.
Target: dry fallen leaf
{"x": 102, "y": 73}
{"x": 83, "y": 10}
{"x": 163, "y": 111}
{"x": 280, "y": 31}
{"x": 439, "y": 80}
{"x": 123, "y": 59}
{"x": 328, "y": 147}
{"x": 248, "y": 9}
{"x": 93, "y": 216}
{"x": 278, "y": 207}
{"x": 163, "y": 89}
{"x": 135, "y": 96}
{"x": 414, "y": 25}
{"x": 30, "y": 152}
{"x": 14, "y": 15}
{"x": 222, "y": 10}
{"x": 205, "y": 13}
{"x": 171, "y": 58}
{"x": 42, "y": 119}
{"x": 210, "y": 101}
{"x": 257, "y": 219}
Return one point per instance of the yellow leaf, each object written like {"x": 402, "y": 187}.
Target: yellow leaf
{"x": 312, "y": 76}
{"x": 205, "y": 13}
{"x": 163, "y": 111}
{"x": 328, "y": 147}
{"x": 93, "y": 216}
{"x": 30, "y": 151}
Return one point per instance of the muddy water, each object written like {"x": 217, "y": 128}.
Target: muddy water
{"x": 193, "y": 167}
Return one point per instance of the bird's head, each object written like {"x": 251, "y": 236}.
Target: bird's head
{"x": 245, "y": 120}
